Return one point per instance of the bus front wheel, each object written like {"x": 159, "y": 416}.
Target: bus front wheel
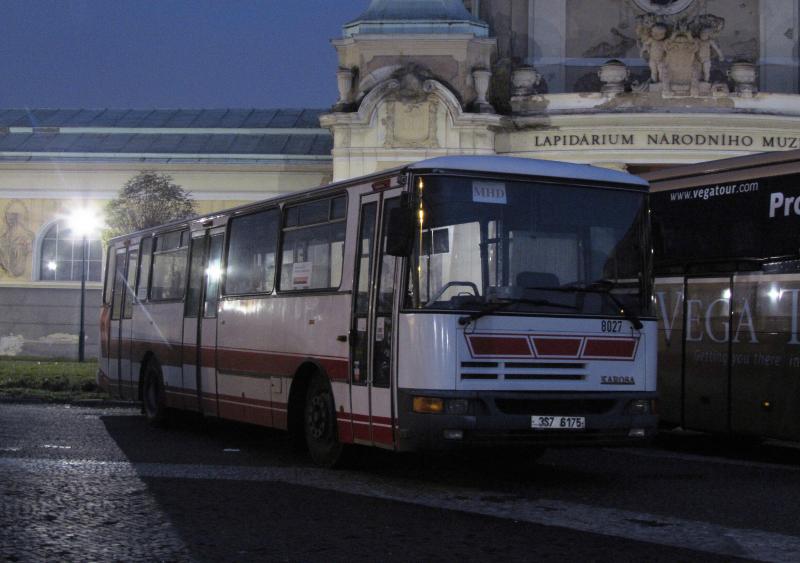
{"x": 153, "y": 403}
{"x": 319, "y": 422}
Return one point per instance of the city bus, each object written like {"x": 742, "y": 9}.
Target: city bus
{"x": 455, "y": 301}
{"x": 727, "y": 260}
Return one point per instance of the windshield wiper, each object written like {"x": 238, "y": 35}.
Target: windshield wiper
{"x": 600, "y": 287}
{"x": 498, "y": 305}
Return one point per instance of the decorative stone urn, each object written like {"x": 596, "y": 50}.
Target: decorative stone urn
{"x": 743, "y": 75}
{"x": 481, "y": 77}
{"x": 613, "y": 74}
{"x": 344, "y": 82}
{"x": 524, "y": 80}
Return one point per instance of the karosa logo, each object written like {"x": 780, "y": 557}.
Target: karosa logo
{"x": 789, "y": 205}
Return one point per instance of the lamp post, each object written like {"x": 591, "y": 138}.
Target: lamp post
{"x": 83, "y": 222}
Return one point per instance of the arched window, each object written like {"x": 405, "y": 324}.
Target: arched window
{"x": 60, "y": 256}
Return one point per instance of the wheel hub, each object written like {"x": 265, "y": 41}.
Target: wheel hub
{"x": 318, "y": 417}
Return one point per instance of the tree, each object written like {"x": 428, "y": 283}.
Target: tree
{"x": 147, "y": 200}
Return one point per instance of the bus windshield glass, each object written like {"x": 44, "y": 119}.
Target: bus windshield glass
{"x": 528, "y": 247}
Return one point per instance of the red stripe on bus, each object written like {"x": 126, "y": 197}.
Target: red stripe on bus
{"x": 499, "y": 346}
{"x": 253, "y": 362}
{"x": 621, "y": 348}
{"x": 557, "y": 347}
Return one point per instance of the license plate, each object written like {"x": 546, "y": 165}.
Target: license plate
{"x": 558, "y": 422}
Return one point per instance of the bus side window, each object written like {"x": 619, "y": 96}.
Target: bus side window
{"x": 143, "y": 279}
{"x": 109, "y": 279}
{"x": 251, "y": 253}
{"x": 169, "y": 267}
{"x": 312, "y": 253}
{"x": 127, "y": 309}
{"x": 213, "y": 274}
{"x": 119, "y": 284}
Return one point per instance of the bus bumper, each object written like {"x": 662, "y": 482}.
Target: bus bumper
{"x": 475, "y": 419}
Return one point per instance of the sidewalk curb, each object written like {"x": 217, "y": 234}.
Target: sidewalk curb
{"x": 98, "y": 403}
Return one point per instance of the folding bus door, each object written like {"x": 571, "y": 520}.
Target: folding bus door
{"x": 115, "y": 325}
{"x": 372, "y": 329}
{"x": 127, "y": 386}
{"x": 200, "y": 322}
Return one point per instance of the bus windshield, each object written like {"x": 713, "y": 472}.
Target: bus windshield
{"x": 529, "y": 247}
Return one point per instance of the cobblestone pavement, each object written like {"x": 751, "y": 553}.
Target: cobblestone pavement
{"x": 84, "y": 484}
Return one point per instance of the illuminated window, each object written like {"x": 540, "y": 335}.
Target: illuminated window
{"x": 60, "y": 257}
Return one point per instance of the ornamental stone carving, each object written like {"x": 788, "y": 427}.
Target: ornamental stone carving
{"x": 16, "y": 240}
{"x": 663, "y": 7}
{"x": 613, "y": 74}
{"x": 524, "y": 81}
{"x": 680, "y": 53}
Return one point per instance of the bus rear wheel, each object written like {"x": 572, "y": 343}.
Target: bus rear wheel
{"x": 319, "y": 424}
{"x": 153, "y": 403}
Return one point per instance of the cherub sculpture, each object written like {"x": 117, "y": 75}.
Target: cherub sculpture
{"x": 653, "y": 46}
{"x": 707, "y": 29}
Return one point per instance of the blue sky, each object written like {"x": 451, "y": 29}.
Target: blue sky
{"x": 170, "y": 53}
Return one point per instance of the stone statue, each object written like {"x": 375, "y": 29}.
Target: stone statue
{"x": 706, "y": 44}
{"x": 679, "y": 53}
{"x": 16, "y": 240}
{"x": 654, "y": 48}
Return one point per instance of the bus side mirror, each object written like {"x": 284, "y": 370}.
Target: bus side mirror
{"x": 400, "y": 228}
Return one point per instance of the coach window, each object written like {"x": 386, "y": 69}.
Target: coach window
{"x": 169, "y": 266}
{"x": 251, "y": 253}
{"x": 313, "y": 245}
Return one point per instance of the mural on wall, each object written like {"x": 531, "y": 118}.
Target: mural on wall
{"x": 16, "y": 240}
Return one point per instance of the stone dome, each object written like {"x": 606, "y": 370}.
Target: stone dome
{"x": 416, "y": 16}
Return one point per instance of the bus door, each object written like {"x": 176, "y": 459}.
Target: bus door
{"x": 707, "y": 353}
{"x": 115, "y": 324}
{"x": 372, "y": 328}
{"x": 127, "y": 387}
{"x": 200, "y": 322}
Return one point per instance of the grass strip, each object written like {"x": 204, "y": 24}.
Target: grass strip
{"x": 50, "y": 380}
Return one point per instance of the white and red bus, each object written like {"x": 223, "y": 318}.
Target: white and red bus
{"x": 454, "y": 301}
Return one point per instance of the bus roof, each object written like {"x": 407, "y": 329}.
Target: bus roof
{"x": 509, "y": 165}
{"x": 528, "y": 167}
{"x": 748, "y": 167}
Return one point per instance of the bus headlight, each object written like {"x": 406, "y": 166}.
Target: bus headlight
{"x": 457, "y": 406}
{"x": 641, "y": 406}
{"x": 429, "y": 405}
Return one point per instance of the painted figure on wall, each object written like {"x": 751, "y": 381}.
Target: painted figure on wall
{"x": 16, "y": 240}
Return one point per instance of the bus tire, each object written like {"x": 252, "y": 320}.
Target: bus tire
{"x": 153, "y": 399}
{"x": 319, "y": 424}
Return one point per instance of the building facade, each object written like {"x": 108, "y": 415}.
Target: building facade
{"x": 55, "y": 162}
{"x": 634, "y": 85}
{"x": 629, "y": 84}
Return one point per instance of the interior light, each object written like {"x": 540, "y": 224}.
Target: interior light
{"x": 726, "y": 294}
{"x": 51, "y": 265}
{"x": 775, "y": 293}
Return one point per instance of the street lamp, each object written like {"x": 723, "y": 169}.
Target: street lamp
{"x": 83, "y": 222}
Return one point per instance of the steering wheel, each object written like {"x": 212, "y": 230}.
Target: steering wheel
{"x": 454, "y": 283}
